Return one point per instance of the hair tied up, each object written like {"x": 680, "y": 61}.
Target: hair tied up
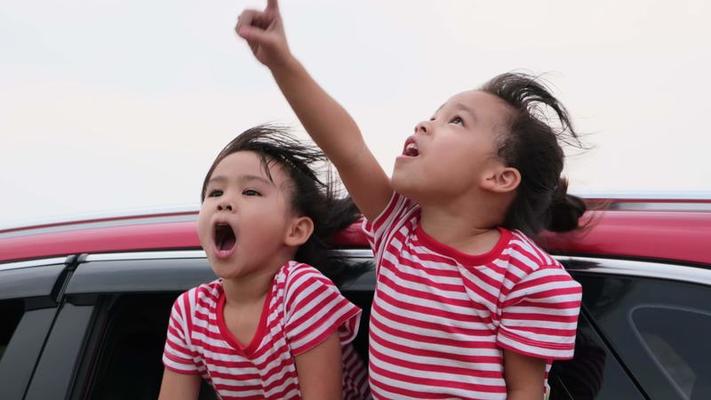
{"x": 565, "y": 210}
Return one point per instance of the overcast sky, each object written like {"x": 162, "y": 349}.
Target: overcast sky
{"x": 114, "y": 106}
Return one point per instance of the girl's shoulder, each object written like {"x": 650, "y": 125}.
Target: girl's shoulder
{"x": 295, "y": 270}
{"x": 523, "y": 250}
{"x": 524, "y": 260}
{"x": 296, "y": 276}
{"x": 525, "y": 268}
{"x": 208, "y": 291}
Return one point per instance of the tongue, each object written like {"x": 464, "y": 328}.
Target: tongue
{"x": 224, "y": 237}
{"x": 227, "y": 242}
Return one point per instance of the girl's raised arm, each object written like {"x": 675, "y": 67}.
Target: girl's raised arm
{"x": 328, "y": 123}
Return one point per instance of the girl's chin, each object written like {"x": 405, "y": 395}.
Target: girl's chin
{"x": 223, "y": 267}
{"x": 226, "y": 273}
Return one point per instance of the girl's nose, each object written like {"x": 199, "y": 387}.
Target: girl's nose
{"x": 224, "y": 206}
{"x": 423, "y": 127}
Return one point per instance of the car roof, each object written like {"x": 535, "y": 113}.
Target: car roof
{"x": 649, "y": 229}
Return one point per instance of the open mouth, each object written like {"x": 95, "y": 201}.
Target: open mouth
{"x": 411, "y": 149}
{"x": 225, "y": 238}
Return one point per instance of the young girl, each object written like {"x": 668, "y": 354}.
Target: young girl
{"x": 466, "y": 305}
{"x": 271, "y": 327}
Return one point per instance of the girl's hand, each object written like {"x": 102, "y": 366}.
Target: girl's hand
{"x": 264, "y": 32}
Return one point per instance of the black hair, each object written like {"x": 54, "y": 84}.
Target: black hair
{"x": 311, "y": 196}
{"x": 532, "y": 145}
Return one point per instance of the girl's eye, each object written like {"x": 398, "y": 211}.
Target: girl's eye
{"x": 214, "y": 193}
{"x": 457, "y": 120}
{"x": 251, "y": 192}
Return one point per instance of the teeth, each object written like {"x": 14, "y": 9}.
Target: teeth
{"x": 411, "y": 149}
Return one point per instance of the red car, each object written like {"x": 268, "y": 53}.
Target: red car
{"x": 84, "y": 305}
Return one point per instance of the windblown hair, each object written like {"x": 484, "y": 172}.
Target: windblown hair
{"x": 531, "y": 144}
{"x": 311, "y": 196}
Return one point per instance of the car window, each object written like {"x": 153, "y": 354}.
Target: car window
{"x": 594, "y": 372}
{"x": 24, "y": 326}
{"x": 128, "y": 363}
{"x": 660, "y": 330}
{"x": 11, "y": 312}
{"x": 670, "y": 338}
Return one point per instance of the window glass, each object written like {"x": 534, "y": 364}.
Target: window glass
{"x": 592, "y": 373}
{"x": 660, "y": 330}
{"x": 11, "y": 312}
{"x": 668, "y": 335}
{"x": 129, "y": 364}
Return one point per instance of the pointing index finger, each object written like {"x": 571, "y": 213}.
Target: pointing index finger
{"x": 272, "y": 5}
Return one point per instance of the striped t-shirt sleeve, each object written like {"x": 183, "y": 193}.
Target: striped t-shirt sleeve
{"x": 539, "y": 315}
{"x": 177, "y": 354}
{"x": 315, "y": 309}
{"x": 376, "y": 229}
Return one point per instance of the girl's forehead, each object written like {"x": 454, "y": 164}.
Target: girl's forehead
{"x": 484, "y": 106}
{"x": 250, "y": 163}
{"x": 473, "y": 100}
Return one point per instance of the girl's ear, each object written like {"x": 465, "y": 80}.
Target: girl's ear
{"x": 299, "y": 232}
{"x": 502, "y": 180}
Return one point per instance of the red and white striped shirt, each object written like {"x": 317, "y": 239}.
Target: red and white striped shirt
{"x": 302, "y": 309}
{"x": 441, "y": 318}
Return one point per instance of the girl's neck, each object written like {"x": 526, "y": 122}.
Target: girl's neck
{"x": 471, "y": 229}
{"x": 252, "y": 287}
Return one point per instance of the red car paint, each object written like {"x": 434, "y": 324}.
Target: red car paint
{"x": 682, "y": 236}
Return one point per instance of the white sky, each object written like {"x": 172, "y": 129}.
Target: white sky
{"x": 109, "y": 105}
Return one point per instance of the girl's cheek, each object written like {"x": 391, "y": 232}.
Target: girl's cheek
{"x": 202, "y": 228}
